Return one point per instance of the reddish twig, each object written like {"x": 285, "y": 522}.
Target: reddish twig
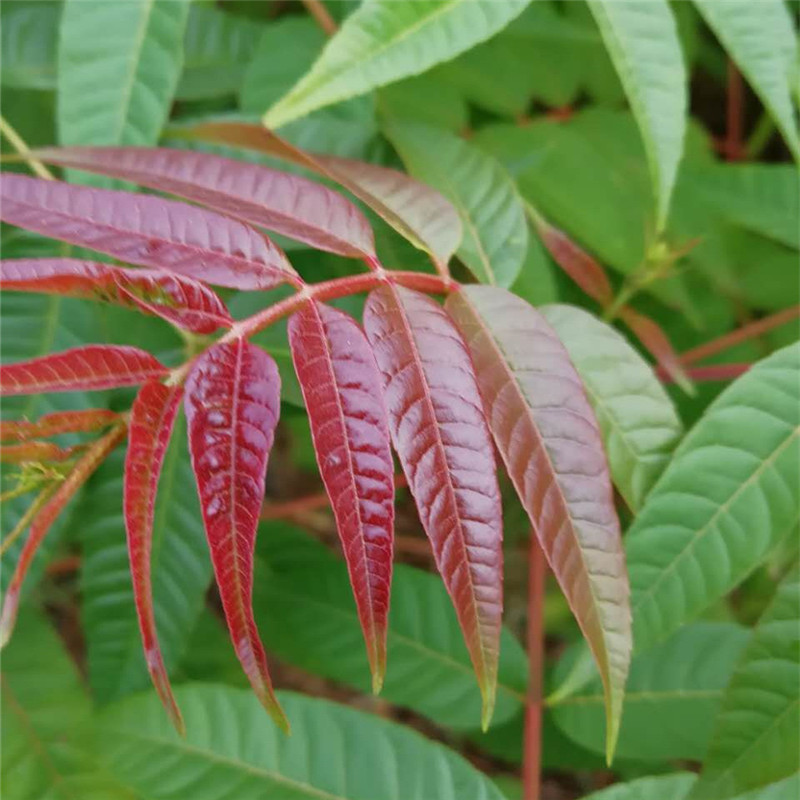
{"x": 532, "y": 764}
{"x": 713, "y": 372}
{"x": 733, "y": 138}
{"x": 743, "y": 334}
{"x": 322, "y": 16}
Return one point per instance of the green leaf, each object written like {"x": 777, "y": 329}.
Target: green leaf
{"x": 383, "y": 41}
{"x": 757, "y": 735}
{"x": 642, "y": 38}
{"x": 217, "y": 48}
{"x": 659, "y": 787}
{"x": 28, "y": 35}
{"x": 639, "y": 424}
{"x": 181, "y": 572}
{"x": 306, "y": 614}
{"x": 495, "y": 231}
{"x": 426, "y": 99}
{"x": 680, "y": 683}
{"x": 118, "y": 67}
{"x": 730, "y": 494}
{"x": 335, "y": 753}
{"x": 760, "y": 38}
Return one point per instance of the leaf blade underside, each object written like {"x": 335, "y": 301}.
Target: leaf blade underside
{"x": 549, "y": 439}
{"x": 342, "y": 391}
{"x": 439, "y": 432}
{"x": 232, "y": 404}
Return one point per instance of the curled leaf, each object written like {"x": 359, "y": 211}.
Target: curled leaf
{"x": 439, "y": 431}
{"x": 81, "y": 369}
{"x": 232, "y": 404}
{"x": 342, "y": 390}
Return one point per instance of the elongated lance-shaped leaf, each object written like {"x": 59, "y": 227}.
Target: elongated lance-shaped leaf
{"x": 440, "y": 433}
{"x": 760, "y": 37}
{"x": 288, "y": 204}
{"x": 58, "y": 422}
{"x": 642, "y": 39}
{"x": 232, "y": 405}
{"x": 149, "y": 430}
{"x": 95, "y": 366}
{"x": 638, "y": 421}
{"x": 414, "y": 210}
{"x": 42, "y": 522}
{"x": 33, "y": 452}
{"x": 186, "y": 302}
{"x": 382, "y": 41}
{"x": 342, "y": 389}
{"x": 146, "y": 230}
{"x": 729, "y": 495}
{"x": 548, "y": 436}
{"x": 757, "y": 736}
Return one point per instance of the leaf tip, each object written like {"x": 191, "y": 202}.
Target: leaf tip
{"x": 158, "y": 674}
{"x": 488, "y": 696}
{"x": 8, "y": 616}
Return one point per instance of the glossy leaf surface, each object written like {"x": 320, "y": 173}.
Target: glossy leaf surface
{"x": 413, "y": 209}
{"x": 439, "y": 431}
{"x": 307, "y": 617}
{"x": 549, "y": 439}
{"x": 332, "y": 755}
{"x": 232, "y": 405}
{"x": 680, "y": 683}
{"x": 80, "y": 369}
{"x": 343, "y": 395}
{"x": 57, "y": 422}
{"x": 186, "y": 302}
{"x": 642, "y": 39}
{"x": 118, "y": 67}
{"x": 491, "y": 211}
{"x": 761, "y": 39}
{"x": 146, "y": 230}
{"x": 382, "y": 42}
{"x": 729, "y": 495}
{"x": 285, "y": 203}
{"x": 757, "y": 736}
{"x": 149, "y": 429}
{"x": 638, "y": 421}
{"x": 41, "y": 524}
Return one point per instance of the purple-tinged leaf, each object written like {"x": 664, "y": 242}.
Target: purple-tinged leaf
{"x": 232, "y": 405}
{"x": 91, "y": 459}
{"x": 81, "y": 369}
{"x": 91, "y": 419}
{"x": 288, "y": 204}
{"x": 149, "y": 430}
{"x": 439, "y": 431}
{"x": 550, "y": 441}
{"x": 342, "y": 389}
{"x": 146, "y": 230}
{"x": 417, "y": 212}
{"x": 183, "y": 301}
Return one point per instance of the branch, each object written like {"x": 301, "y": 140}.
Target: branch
{"x": 322, "y": 16}
{"x": 18, "y": 143}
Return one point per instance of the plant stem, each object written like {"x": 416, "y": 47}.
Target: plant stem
{"x": 712, "y": 372}
{"x": 733, "y": 139}
{"x": 321, "y": 14}
{"x": 18, "y": 143}
{"x": 532, "y": 764}
{"x": 743, "y": 334}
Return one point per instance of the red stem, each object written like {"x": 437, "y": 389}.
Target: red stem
{"x": 733, "y": 139}
{"x": 743, "y": 334}
{"x": 712, "y": 372}
{"x": 532, "y": 764}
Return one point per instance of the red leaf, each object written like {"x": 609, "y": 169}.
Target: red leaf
{"x": 44, "y": 519}
{"x": 574, "y": 260}
{"x": 187, "y": 303}
{"x": 232, "y": 405}
{"x": 422, "y": 215}
{"x": 151, "y": 422}
{"x": 80, "y": 369}
{"x": 439, "y": 431}
{"x": 59, "y": 422}
{"x": 342, "y": 389}
{"x": 288, "y": 204}
{"x": 34, "y": 452}
{"x": 655, "y": 340}
{"x": 146, "y": 230}
{"x": 550, "y": 442}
